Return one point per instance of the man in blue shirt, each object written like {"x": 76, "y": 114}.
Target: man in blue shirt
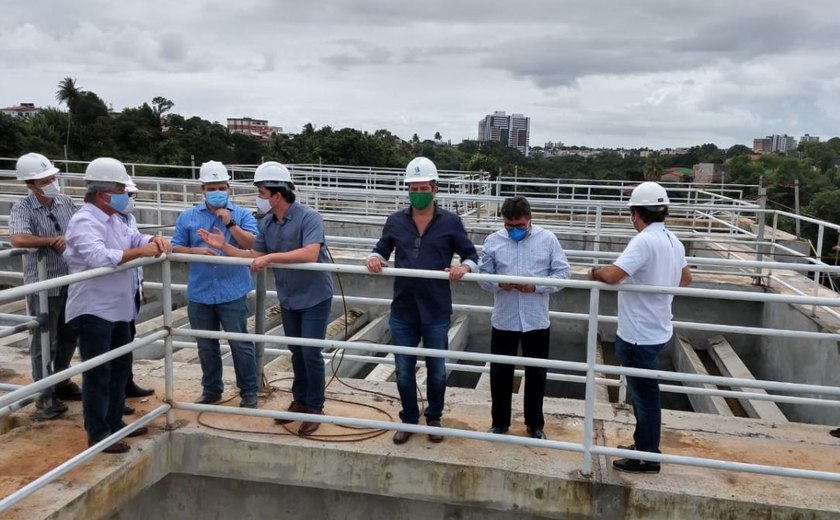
{"x": 424, "y": 237}
{"x": 218, "y": 293}
{"x": 292, "y": 233}
{"x": 520, "y": 311}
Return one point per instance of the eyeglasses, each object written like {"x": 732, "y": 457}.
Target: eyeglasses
{"x": 55, "y": 222}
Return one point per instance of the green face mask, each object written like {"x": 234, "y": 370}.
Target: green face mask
{"x": 420, "y": 199}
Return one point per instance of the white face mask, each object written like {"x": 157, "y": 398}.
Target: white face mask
{"x": 50, "y": 190}
{"x": 263, "y": 206}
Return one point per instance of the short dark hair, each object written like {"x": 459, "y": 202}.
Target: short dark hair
{"x": 651, "y": 215}
{"x": 285, "y": 191}
{"x": 516, "y": 207}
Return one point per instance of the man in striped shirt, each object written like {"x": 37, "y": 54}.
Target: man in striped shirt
{"x": 39, "y": 221}
{"x": 520, "y": 311}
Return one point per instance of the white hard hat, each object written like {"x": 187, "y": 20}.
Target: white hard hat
{"x": 213, "y": 171}
{"x": 273, "y": 173}
{"x": 34, "y": 166}
{"x": 106, "y": 169}
{"x": 648, "y": 194}
{"x": 421, "y": 169}
{"x": 130, "y": 187}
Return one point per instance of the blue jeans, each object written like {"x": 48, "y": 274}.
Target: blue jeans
{"x": 307, "y": 362}
{"x": 644, "y": 392}
{"x": 231, "y": 316}
{"x": 103, "y": 387}
{"x": 434, "y": 336}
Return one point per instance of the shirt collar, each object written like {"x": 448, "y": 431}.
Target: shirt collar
{"x": 407, "y": 211}
{"x": 97, "y": 213}
{"x": 290, "y": 213}
{"x": 203, "y": 206}
{"x": 37, "y": 203}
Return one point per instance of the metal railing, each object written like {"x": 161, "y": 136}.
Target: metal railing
{"x": 590, "y": 368}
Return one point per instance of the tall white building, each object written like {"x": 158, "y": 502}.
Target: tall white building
{"x": 514, "y": 130}
{"x": 807, "y": 138}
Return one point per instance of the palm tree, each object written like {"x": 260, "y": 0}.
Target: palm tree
{"x": 69, "y": 94}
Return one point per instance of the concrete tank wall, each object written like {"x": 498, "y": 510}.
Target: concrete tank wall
{"x": 798, "y": 361}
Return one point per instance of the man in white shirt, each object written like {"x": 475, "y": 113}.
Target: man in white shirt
{"x": 653, "y": 257}
{"x": 100, "y": 309}
{"x": 520, "y": 311}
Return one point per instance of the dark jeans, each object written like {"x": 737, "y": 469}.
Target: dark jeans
{"x": 231, "y": 316}
{"x": 434, "y": 336}
{"x": 307, "y": 362}
{"x": 534, "y": 345}
{"x": 644, "y": 392}
{"x": 103, "y": 387}
{"x": 132, "y": 325}
{"x": 62, "y": 336}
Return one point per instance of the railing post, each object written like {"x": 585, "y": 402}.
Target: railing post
{"x": 759, "y": 245}
{"x": 44, "y": 330}
{"x": 589, "y": 405}
{"x": 169, "y": 370}
{"x": 259, "y": 326}
{"x": 818, "y": 261}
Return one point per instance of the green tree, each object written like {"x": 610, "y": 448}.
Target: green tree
{"x": 738, "y": 150}
{"x": 653, "y": 169}
{"x": 438, "y": 137}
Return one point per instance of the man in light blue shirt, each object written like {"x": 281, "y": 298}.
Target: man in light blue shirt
{"x": 520, "y": 311}
{"x": 217, "y": 294}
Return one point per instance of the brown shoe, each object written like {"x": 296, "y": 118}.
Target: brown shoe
{"x": 117, "y": 447}
{"x": 402, "y": 437}
{"x": 433, "y": 437}
{"x": 294, "y": 407}
{"x": 143, "y": 430}
{"x": 309, "y": 427}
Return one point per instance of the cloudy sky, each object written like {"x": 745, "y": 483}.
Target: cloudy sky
{"x": 613, "y": 73}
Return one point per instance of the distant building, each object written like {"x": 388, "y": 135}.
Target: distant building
{"x": 708, "y": 173}
{"x": 774, "y": 143}
{"x": 22, "y": 110}
{"x": 809, "y": 139}
{"x": 763, "y": 145}
{"x": 253, "y": 127}
{"x": 513, "y": 130}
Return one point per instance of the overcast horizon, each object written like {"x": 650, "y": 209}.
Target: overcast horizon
{"x": 650, "y": 73}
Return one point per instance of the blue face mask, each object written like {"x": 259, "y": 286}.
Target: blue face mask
{"x": 119, "y": 201}
{"x": 516, "y": 234}
{"x": 216, "y": 199}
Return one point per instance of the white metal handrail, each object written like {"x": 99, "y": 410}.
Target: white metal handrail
{"x": 590, "y": 367}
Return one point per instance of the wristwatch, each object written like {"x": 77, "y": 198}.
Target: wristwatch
{"x": 230, "y": 224}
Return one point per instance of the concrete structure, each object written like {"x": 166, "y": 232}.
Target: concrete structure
{"x": 807, "y": 138}
{"x": 774, "y": 143}
{"x": 513, "y": 130}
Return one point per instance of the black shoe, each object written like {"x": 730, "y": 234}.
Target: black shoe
{"x": 54, "y": 411}
{"x": 127, "y": 410}
{"x": 135, "y": 391}
{"x": 117, "y": 447}
{"x": 69, "y": 391}
{"x": 208, "y": 399}
{"x": 433, "y": 437}
{"x": 295, "y": 407}
{"x": 498, "y": 430}
{"x": 536, "y": 433}
{"x": 636, "y": 466}
{"x": 835, "y": 432}
{"x": 248, "y": 402}
{"x": 402, "y": 437}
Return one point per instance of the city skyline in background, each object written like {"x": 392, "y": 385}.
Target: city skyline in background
{"x": 651, "y": 74}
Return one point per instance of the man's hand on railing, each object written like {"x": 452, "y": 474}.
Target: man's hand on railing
{"x": 58, "y": 244}
{"x": 163, "y": 245}
{"x": 375, "y": 264}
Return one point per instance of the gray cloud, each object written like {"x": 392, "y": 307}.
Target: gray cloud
{"x": 606, "y": 72}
